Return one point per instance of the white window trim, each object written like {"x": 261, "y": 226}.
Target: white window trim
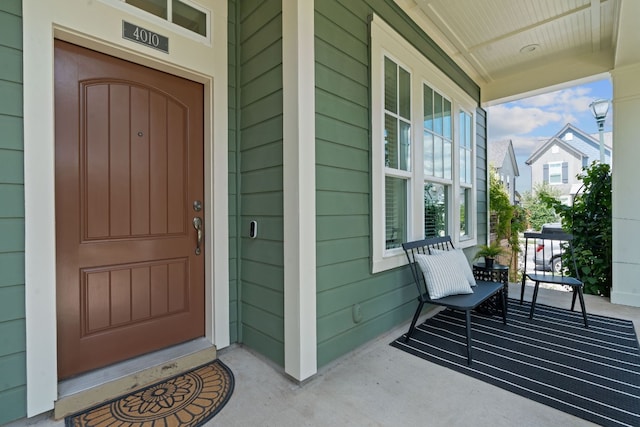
{"x": 387, "y": 42}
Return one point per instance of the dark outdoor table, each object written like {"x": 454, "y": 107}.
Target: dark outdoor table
{"x": 495, "y": 273}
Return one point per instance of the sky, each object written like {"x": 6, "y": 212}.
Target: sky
{"x": 529, "y": 122}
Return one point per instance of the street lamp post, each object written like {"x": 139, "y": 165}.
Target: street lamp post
{"x": 600, "y": 108}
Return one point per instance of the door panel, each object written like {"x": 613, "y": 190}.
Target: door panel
{"x": 116, "y": 295}
{"x": 129, "y": 164}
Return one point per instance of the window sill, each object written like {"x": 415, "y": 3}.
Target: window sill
{"x": 467, "y": 243}
{"x": 394, "y": 258}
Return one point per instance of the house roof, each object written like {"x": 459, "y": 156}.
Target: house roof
{"x": 581, "y": 144}
{"x": 499, "y": 151}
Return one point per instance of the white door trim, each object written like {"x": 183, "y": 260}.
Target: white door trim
{"x": 98, "y": 26}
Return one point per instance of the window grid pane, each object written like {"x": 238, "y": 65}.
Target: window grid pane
{"x": 465, "y": 138}
{"x": 464, "y": 165}
{"x": 155, "y": 7}
{"x": 395, "y": 212}
{"x": 465, "y": 206}
{"x": 446, "y": 117}
{"x": 436, "y": 210}
{"x": 390, "y": 86}
{"x": 427, "y": 159}
{"x": 438, "y": 165}
{"x": 428, "y": 107}
{"x": 404, "y": 94}
{"x": 446, "y": 155}
{"x": 405, "y": 146}
{"x": 188, "y": 17}
{"x": 438, "y": 140}
{"x": 469, "y": 130}
{"x": 397, "y": 132}
{"x": 437, "y": 113}
{"x": 390, "y": 141}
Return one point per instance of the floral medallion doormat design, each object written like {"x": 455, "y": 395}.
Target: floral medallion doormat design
{"x": 186, "y": 400}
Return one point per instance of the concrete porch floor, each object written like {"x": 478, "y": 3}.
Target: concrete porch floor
{"x": 378, "y": 385}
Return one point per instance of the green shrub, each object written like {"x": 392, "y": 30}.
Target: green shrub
{"x": 508, "y": 221}
{"x": 539, "y": 212}
{"x": 500, "y": 205}
{"x": 589, "y": 220}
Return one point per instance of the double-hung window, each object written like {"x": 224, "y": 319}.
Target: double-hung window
{"x": 437, "y": 161}
{"x": 555, "y": 173}
{"x": 423, "y": 151}
{"x": 397, "y": 151}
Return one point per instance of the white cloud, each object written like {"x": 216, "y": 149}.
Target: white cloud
{"x": 525, "y": 145}
{"x": 527, "y": 115}
{"x": 575, "y": 99}
{"x": 509, "y": 121}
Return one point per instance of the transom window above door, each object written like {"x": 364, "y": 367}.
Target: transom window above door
{"x": 183, "y": 13}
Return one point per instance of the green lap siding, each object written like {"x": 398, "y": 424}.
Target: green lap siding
{"x": 345, "y": 284}
{"x": 12, "y": 295}
{"x": 343, "y": 179}
{"x": 481, "y": 174}
{"x": 257, "y": 108}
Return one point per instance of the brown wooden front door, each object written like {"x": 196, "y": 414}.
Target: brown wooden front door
{"x": 129, "y": 166}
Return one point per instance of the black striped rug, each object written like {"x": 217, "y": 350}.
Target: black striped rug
{"x": 591, "y": 373}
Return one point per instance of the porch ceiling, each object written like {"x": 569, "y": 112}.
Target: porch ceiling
{"x": 513, "y": 48}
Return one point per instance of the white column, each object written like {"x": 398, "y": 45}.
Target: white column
{"x": 626, "y": 194}
{"x": 300, "y": 343}
{"x": 626, "y": 152}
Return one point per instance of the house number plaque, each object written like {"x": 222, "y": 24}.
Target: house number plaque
{"x": 146, "y": 37}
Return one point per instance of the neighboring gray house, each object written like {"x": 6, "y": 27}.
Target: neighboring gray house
{"x": 503, "y": 158}
{"x": 559, "y": 160}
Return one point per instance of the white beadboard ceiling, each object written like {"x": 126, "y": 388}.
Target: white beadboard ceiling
{"x": 517, "y": 47}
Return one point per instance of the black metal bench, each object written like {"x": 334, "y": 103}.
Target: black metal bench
{"x": 462, "y": 302}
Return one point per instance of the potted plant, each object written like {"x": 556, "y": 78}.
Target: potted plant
{"x": 489, "y": 253}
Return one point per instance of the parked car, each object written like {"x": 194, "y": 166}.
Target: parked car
{"x": 548, "y": 256}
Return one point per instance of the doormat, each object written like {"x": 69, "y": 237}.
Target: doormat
{"x": 186, "y": 400}
{"x": 553, "y": 359}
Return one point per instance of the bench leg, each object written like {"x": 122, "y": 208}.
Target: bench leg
{"x": 584, "y": 310}
{"x": 533, "y": 300}
{"x": 415, "y": 319}
{"x": 504, "y": 306}
{"x": 467, "y": 315}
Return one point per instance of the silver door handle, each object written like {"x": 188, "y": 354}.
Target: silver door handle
{"x": 197, "y": 224}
